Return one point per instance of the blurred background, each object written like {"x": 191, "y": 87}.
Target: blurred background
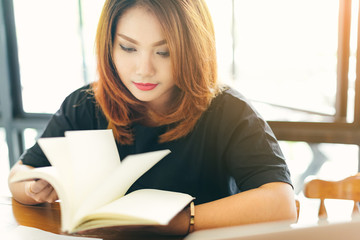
{"x": 296, "y": 60}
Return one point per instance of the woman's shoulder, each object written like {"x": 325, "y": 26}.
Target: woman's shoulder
{"x": 79, "y": 111}
{"x": 231, "y": 99}
{"x": 230, "y": 107}
{"x": 81, "y": 92}
{"x": 80, "y": 97}
{"x": 79, "y": 104}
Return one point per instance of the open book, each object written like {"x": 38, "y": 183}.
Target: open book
{"x": 91, "y": 183}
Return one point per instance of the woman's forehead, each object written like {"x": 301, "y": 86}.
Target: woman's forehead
{"x": 141, "y": 25}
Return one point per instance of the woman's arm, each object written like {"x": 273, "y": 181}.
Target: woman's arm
{"x": 270, "y": 202}
{"x": 30, "y": 192}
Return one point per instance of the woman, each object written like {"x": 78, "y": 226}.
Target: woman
{"x": 157, "y": 89}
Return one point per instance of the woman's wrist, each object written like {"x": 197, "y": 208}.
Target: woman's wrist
{"x": 191, "y": 218}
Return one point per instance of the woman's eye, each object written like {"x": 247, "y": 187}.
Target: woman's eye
{"x": 126, "y": 49}
{"x": 164, "y": 54}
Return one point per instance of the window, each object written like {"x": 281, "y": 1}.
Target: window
{"x": 297, "y": 61}
{"x": 56, "y": 55}
{"x": 278, "y": 53}
{"x": 46, "y": 52}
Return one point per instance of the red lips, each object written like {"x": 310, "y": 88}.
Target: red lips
{"x": 145, "y": 86}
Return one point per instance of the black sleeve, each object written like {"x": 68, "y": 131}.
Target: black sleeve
{"x": 77, "y": 112}
{"x": 251, "y": 151}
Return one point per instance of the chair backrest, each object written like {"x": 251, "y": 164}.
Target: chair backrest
{"x": 297, "y": 203}
{"x": 346, "y": 189}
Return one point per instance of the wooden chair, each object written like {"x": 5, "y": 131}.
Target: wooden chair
{"x": 297, "y": 203}
{"x": 346, "y": 189}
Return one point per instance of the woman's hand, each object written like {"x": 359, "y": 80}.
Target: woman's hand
{"x": 30, "y": 192}
{"x": 41, "y": 191}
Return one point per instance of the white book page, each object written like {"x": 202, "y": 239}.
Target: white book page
{"x": 57, "y": 152}
{"x": 94, "y": 156}
{"x": 149, "y": 204}
{"x": 116, "y": 184}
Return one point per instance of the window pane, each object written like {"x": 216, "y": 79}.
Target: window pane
{"x": 222, "y": 18}
{"x": 50, "y": 53}
{"x": 30, "y": 136}
{"x": 90, "y": 14}
{"x": 286, "y": 54}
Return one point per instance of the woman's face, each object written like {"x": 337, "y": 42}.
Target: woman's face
{"x": 141, "y": 57}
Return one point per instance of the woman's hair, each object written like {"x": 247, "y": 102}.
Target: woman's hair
{"x": 189, "y": 33}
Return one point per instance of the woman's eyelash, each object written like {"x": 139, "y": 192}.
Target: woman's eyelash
{"x": 126, "y": 49}
{"x": 164, "y": 54}
{"x": 130, "y": 49}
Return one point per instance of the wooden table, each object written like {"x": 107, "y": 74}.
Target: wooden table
{"x": 47, "y": 217}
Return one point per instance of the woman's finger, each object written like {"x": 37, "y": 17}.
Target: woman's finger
{"x": 41, "y": 191}
{"x": 38, "y": 185}
{"x": 52, "y": 197}
{"x": 42, "y": 196}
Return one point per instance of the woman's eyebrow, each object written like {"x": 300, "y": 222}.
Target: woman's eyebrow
{"x": 156, "y": 44}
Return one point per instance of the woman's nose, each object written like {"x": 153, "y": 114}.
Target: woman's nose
{"x": 145, "y": 66}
